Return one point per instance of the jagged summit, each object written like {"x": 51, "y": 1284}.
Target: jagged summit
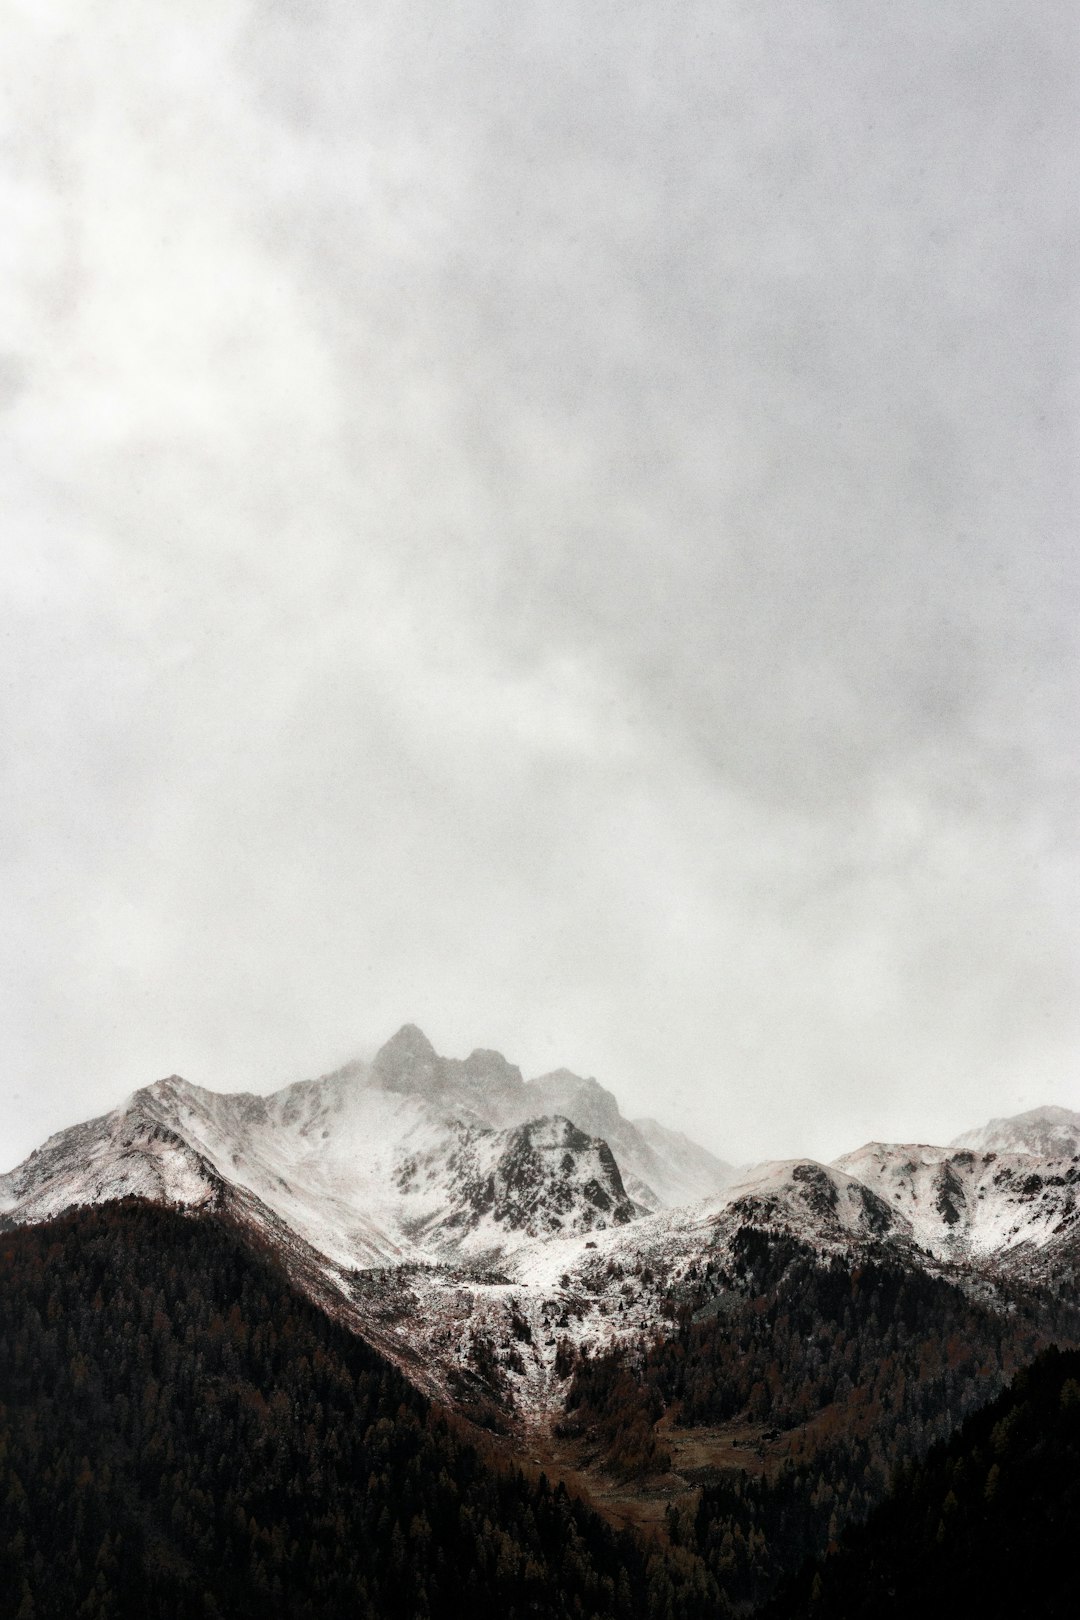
{"x": 407, "y": 1055}
{"x": 660, "y": 1168}
{"x": 482, "y": 1083}
{"x": 410, "y": 1038}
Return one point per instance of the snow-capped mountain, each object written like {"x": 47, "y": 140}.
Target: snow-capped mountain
{"x": 370, "y": 1165}
{"x": 660, "y": 1168}
{"x": 422, "y": 1157}
{"x": 1044, "y": 1133}
{"x": 442, "y": 1203}
{"x": 968, "y": 1205}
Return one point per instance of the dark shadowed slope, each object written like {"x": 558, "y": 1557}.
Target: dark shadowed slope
{"x": 989, "y": 1524}
{"x": 182, "y": 1435}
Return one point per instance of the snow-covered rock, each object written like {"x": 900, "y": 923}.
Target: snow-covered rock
{"x": 493, "y": 1188}
{"x": 660, "y": 1168}
{"x": 1045, "y": 1133}
{"x": 821, "y": 1204}
{"x": 136, "y": 1151}
{"x": 464, "y": 1218}
{"x": 369, "y": 1165}
{"x": 968, "y": 1205}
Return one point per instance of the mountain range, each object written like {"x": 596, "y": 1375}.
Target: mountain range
{"x": 738, "y": 1358}
{"x": 413, "y": 1156}
{"x": 479, "y": 1200}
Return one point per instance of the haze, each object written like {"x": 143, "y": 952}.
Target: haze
{"x": 556, "y": 523}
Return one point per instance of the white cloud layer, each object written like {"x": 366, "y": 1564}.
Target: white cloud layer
{"x": 556, "y": 523}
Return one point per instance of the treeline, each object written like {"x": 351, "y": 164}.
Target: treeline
{"x": 183, "y": 1435}
{"x": 987, "y": 1524}
{"x": 857, "y": 1369}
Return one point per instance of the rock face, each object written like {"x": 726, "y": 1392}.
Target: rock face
{"x": 534, "y": 1180}
{"x": 968, "y": 1205}
{"x": 660, "y": 1168}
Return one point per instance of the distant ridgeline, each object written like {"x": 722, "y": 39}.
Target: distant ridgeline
{"x": 182, "y": 1435}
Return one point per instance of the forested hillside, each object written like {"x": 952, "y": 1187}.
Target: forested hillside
{"x": 181, "y": 1435}
{"x": 988, "y": 1524}
{"x": 854, "y": 1369}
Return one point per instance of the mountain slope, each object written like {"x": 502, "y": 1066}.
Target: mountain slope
{"x": 182, "y": 1434}
{"x": 965, "y": 1205}
{"x": 1045, "y": 1133}
{"x": 986, "y": 1526}
{"x": 370, "y": 1166}
{"x": 680, "y": 1168}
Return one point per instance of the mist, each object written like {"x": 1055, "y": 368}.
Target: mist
{"x": 553, "y": 525}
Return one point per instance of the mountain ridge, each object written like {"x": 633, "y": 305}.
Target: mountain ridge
{"x": 481, "y": 1201}
{"x": 820, "y": 1321}
{"x": 1045, "y": 1132}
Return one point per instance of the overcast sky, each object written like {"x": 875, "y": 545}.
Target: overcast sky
{"x": 553, "y": 522}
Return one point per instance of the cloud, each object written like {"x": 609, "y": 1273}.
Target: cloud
{"x": 558, "y": 526}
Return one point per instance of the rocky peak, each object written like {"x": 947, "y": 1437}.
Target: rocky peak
{"x": 483, "y": 1085}
{"x": 552, "y": 1176}
{"x": 172, "y": 1085}
{"x": 584, "y": 1100}
{"x": 162, "y": 1099}
{"x": 484, "y": 1068}
{"x": 407, "y": 1062}
{"x": 816, "y": 1202}
{"x": 488, "y": 1081}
